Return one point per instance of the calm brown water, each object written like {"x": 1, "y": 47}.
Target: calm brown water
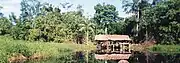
{"x": 137, "y": 57}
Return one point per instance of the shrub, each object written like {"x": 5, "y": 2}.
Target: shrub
{"x": 18, "y": 48}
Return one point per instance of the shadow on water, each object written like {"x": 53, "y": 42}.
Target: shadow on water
{"x": 148, "y": 57}
{"x": 75, "y": 57}
{"x": 137, "y": 57}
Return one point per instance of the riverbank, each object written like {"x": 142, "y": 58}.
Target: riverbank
{"x": 157, "y": 48}
{"x": 165, "y": 49}
{"x": 10, "y": 48}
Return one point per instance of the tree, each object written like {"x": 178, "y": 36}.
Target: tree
{"x": 72, "y": 20}
{"x": 5, "y": 25}
{"x": 136, "y": 7}
{"x": 162, "y": 21}
{"x": 55, "y": 26}
{"x": 87, "y": 26}
{"x": 13, "y": 18}
{"x": 155, "y": 2}
{"x": 30, "y": 9}
{"x": 47, "y": 28}
{"x": 129, "y": 25}
{"x": 50, "y": 25}
{"x": 23, "y": 27}
{"x": 80, "y": 10}
{"x": 19, "y": 29}
{"x": 66, "y": 5}
{"x": 105, "y": 15}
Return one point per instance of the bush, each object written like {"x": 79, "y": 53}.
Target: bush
{"x": 18, "y": 48}
{"x": 3, "y": 56}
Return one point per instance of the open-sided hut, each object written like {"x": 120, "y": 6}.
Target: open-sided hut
{"x": 113, "y": 47}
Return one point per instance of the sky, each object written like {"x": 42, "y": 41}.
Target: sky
{"x": 88, "y": 6}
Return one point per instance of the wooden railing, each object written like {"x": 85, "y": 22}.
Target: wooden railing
{"x": 114, "y": 48}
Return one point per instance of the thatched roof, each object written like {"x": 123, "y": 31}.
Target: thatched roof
{"x": 112, "y": 37}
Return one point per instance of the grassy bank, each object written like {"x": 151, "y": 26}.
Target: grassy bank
{"x": 165, "y": 48}
{"x": 10, "y": 46}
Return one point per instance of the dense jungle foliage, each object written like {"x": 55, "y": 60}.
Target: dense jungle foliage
{"x": 44, "y": 27}
{"x": 47, "y": 23}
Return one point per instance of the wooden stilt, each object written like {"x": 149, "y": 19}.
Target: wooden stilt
{"x": 105, "y": 61}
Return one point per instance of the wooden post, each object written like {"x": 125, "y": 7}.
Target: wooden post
{"x": 130, "y": 48}
{"x": 113, "y": 47}
{"x": 107, "y": 46}
{"x": 120, "y": 47}
{"x": 105, "y": 61}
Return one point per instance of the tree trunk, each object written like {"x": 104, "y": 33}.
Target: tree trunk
{"x": 146, "y": 33}
{"x": 138, "y": 19}
{"x": 87, "y": 37}
{"x": 106, "y": 31}
{"x": 87, "y": 58}
{"x": 137, "y": 25}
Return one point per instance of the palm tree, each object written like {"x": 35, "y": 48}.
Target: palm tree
{"x": 87, "y": 26}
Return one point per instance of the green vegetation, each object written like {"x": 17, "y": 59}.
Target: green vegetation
{"x": 105, "y": 17}
{"x": 158, "y": 20}
{"x": 165, "y": 49}
{"x": 10, "y": 46}
{"x": 43, "y": 27}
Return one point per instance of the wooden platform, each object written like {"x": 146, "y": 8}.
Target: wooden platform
{"x": 112, "y": 56}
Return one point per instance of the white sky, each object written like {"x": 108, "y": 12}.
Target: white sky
{"x": 88, "y": 6}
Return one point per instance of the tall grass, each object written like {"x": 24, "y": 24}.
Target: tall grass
{"x": 8, "y": 46}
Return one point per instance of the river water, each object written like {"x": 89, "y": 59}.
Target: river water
{"x": 137, "y": 57}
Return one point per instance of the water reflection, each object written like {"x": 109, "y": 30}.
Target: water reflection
{"x": 137, "y": 57}
{"x": 148, "y": 57}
